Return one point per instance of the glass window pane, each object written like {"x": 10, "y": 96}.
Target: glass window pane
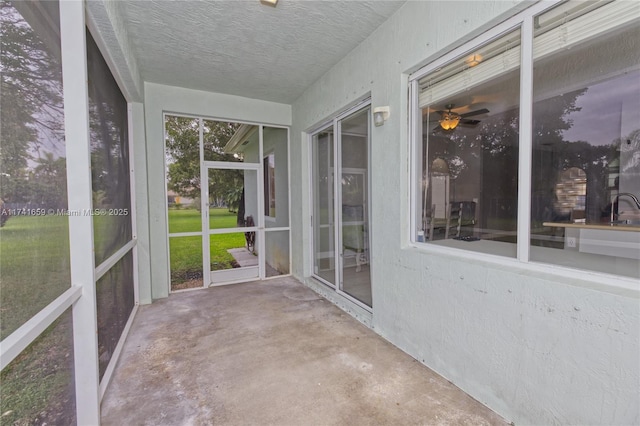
{"x": 277, "y": 255}
{"x": 268, "y": 182}
{"x": 323, "y": 216}
{"x": 586, "y": 141}
{"x": 38, "y": 387}
{"x": 34, "y": 230}
{"x": 354, "y": 188}
{"x": 115, "y": 300}
{"x": 185, "y": 260}
{"x": 182, "y": 155}
{"x": 276, "y": 177}
{"x": 108, "y": 118}
{"x": 469, "y": 150}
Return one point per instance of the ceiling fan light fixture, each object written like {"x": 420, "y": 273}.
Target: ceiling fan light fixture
{"x": 474, "y": 60}
{"x": 449, "y": 120}
{"x": 271, "y": 3}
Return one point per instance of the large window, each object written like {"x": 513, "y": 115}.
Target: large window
{"x": 574, "y": 102}
{"x": 586, "y": 140}
{"x": 469, "y": 113}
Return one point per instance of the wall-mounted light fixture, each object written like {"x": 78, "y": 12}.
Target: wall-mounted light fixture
{"x": 380, "y": 115}
{"x": 271, "y": 3}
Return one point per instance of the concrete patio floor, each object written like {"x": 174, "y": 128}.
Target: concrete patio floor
{"x": 272, "y": 352}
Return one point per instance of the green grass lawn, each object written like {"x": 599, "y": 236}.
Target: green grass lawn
{"x": 37, "y": 387}
{"x": 34, "y": 270}
{"x": 186, "y": 252}
{"x": 34, "y": 267}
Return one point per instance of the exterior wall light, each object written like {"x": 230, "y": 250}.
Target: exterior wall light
{"x": 271, "y": 3}
{"x": 380, "y": 115}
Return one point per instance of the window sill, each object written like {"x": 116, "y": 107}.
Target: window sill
{"x": 608, "y": 283}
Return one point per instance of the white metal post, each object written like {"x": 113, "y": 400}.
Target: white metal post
{"x": 204, "y": 207}
{"x": 76, "y": 108}
{"x": 289, "y": 198}
{"x": 525, "y": 150}
{"x": 133, "y": 210}
{"x": 337, "y": 201}
{"x": 261, "y": 202}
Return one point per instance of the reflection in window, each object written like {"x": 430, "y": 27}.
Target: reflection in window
{"x": 469, "y": 155}
{"x": 570, "y": 194}
{"x": 34, "y": 232}
{"x": 108, "y": 117}
{"x": 269, "y": 164}
{"x": 586, "y": 140}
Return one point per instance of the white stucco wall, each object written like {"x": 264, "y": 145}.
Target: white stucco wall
{"x": 537, "y": 347}
{"x": 159, "y": 99}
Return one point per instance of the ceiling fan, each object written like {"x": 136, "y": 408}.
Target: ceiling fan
{"x": 449, "y": 120}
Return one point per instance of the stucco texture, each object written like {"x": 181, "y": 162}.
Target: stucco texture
{"x": 538, "y": 349}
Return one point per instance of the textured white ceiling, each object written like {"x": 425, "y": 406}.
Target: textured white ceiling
{"x": 244, "y": 48}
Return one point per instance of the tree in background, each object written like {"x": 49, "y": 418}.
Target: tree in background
{"x": 183, "y": 156}
{"x": 31, "y": 108}
{"x": 183, "y": 159}
{"x": 48, "y": 182}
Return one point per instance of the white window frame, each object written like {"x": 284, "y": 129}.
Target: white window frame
{"x": 525, "y": 21}
{"x": 267, "y": 186}
{"x": 335, "y": 124}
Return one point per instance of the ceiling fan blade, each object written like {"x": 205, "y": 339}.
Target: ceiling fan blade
{"x": 476, "y": 112}
{"x": 469, "y": 123}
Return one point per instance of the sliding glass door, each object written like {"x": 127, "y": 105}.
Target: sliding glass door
{"x": 341, "y": 204}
